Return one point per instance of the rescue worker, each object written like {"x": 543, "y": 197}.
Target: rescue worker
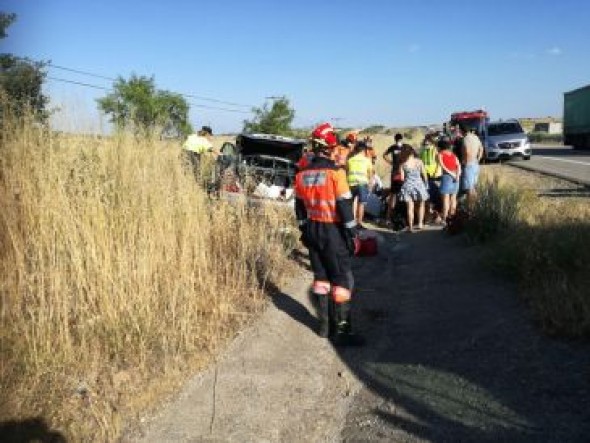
{"x": 195, "y": 146}
{"x": 429, "y": 157}
{"x": 359, "y": 173}
{"x": 323, "y": 208}
{"x": 342, "y": 150}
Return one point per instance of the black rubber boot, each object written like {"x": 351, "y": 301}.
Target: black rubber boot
{"x": 324, "y": 315}
{"x": 344, "y": 335}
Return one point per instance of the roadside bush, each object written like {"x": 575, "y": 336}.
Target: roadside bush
{"x": 496, "y": 211}
{"x": 118, "y": 277}
{"x": 542, "y": 246}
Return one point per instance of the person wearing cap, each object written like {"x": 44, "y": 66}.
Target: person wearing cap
{"x": 342, "y": 151}
{"x": 359, "y": 172}
{"x": 323, "y": 208}
{"x": 196, "y": 145}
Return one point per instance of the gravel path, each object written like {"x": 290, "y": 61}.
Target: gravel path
{"x": 451, "y": 356}
{"x": 460, "y": 359}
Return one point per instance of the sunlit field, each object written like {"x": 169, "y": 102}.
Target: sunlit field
{"x": 119, "y": 276}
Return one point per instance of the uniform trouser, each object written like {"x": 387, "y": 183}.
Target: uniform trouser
{"x": 330, "y": 258}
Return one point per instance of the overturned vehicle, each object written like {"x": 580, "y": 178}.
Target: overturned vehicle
{"x": 259, "y": 167}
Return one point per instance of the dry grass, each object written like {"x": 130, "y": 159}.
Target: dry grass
{"x": 118, "y": 277}
{"x": 542, "y": 242}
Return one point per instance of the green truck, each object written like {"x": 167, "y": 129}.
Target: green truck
{"x": 576, "y": 118}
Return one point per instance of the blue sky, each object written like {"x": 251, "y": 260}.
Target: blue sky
{"x": 359, "y": 63}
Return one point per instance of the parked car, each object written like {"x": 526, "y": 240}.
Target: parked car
{"x": 505, "y": 139}
{"x": 259, "y": 166}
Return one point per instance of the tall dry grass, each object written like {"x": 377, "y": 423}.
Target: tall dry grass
{"x": 542, "y": 243}
{"x": 118, "y": 276}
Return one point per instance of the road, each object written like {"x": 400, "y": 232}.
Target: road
{"x": 559, "y": 161}
{"x": 452, "y": 355}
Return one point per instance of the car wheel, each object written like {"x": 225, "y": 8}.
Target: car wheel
{"x": 526, "y": 157}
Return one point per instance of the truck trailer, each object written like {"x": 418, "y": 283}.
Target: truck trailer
{"x": 576, "y": 118}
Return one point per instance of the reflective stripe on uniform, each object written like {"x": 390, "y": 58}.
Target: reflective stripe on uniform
{"x": 322, "y": 215}
{"x": 314, "y": 178}
{"x": 340, "y": 294}
{"x": 321, "y": 287}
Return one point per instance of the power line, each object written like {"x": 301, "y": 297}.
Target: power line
{"x": 88, "y": 85}
{"x": 104, "y": 77}
{"x": 77, "y": 71}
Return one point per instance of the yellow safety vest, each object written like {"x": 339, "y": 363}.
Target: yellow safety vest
{"x": 359, "y": 170}
{"x": 197, "y": 143}
{"x": 428, "y": 157}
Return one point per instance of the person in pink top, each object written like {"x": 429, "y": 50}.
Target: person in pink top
{"x": 449, "y": 184}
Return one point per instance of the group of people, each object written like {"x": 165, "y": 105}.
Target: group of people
{"x": 356, "y": 157}
{"x": 334, "y": 180}
{"x": 331, "y": 185}
{"x": 445, "y": 164}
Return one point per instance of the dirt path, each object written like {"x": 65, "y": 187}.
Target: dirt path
{"x": 451, "y": 356}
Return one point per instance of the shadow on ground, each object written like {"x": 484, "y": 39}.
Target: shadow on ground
{"x": 452, "y": 354}
{"x": 29, "y": 430}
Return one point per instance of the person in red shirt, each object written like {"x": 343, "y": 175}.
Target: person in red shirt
{"x": 449, "y": 184}
{"x": 323, "y": 208}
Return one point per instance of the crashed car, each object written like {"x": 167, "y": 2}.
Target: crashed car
{"x": 259, "y": 166}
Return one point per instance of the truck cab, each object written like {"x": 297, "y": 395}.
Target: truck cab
{"x": 477, "y": 120}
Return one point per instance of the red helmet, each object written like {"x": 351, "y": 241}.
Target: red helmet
{"x": 324, "y": 134}
{"x": 352, "y": 136}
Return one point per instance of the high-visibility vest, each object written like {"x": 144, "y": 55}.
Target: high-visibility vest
{"x": 197, "y": 143}
{"x": 428, "y": 157}
{"x": 359, "y": 169}
{"x": 320, "y": 189}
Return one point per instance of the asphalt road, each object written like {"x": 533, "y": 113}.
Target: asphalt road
{"x": 559, "y": 161}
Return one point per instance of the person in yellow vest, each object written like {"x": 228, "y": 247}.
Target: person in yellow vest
{"x": 359, "y": 172}
{"x": 196, "y": 146}
{"x": 429, "y": 157}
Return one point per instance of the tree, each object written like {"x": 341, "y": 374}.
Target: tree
{"x": 272, "y": 120}
{"x": 21, "y": 81}
{"x": 137, "y": 105}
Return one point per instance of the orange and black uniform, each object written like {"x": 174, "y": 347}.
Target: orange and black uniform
{"x": 323, "y": 208}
